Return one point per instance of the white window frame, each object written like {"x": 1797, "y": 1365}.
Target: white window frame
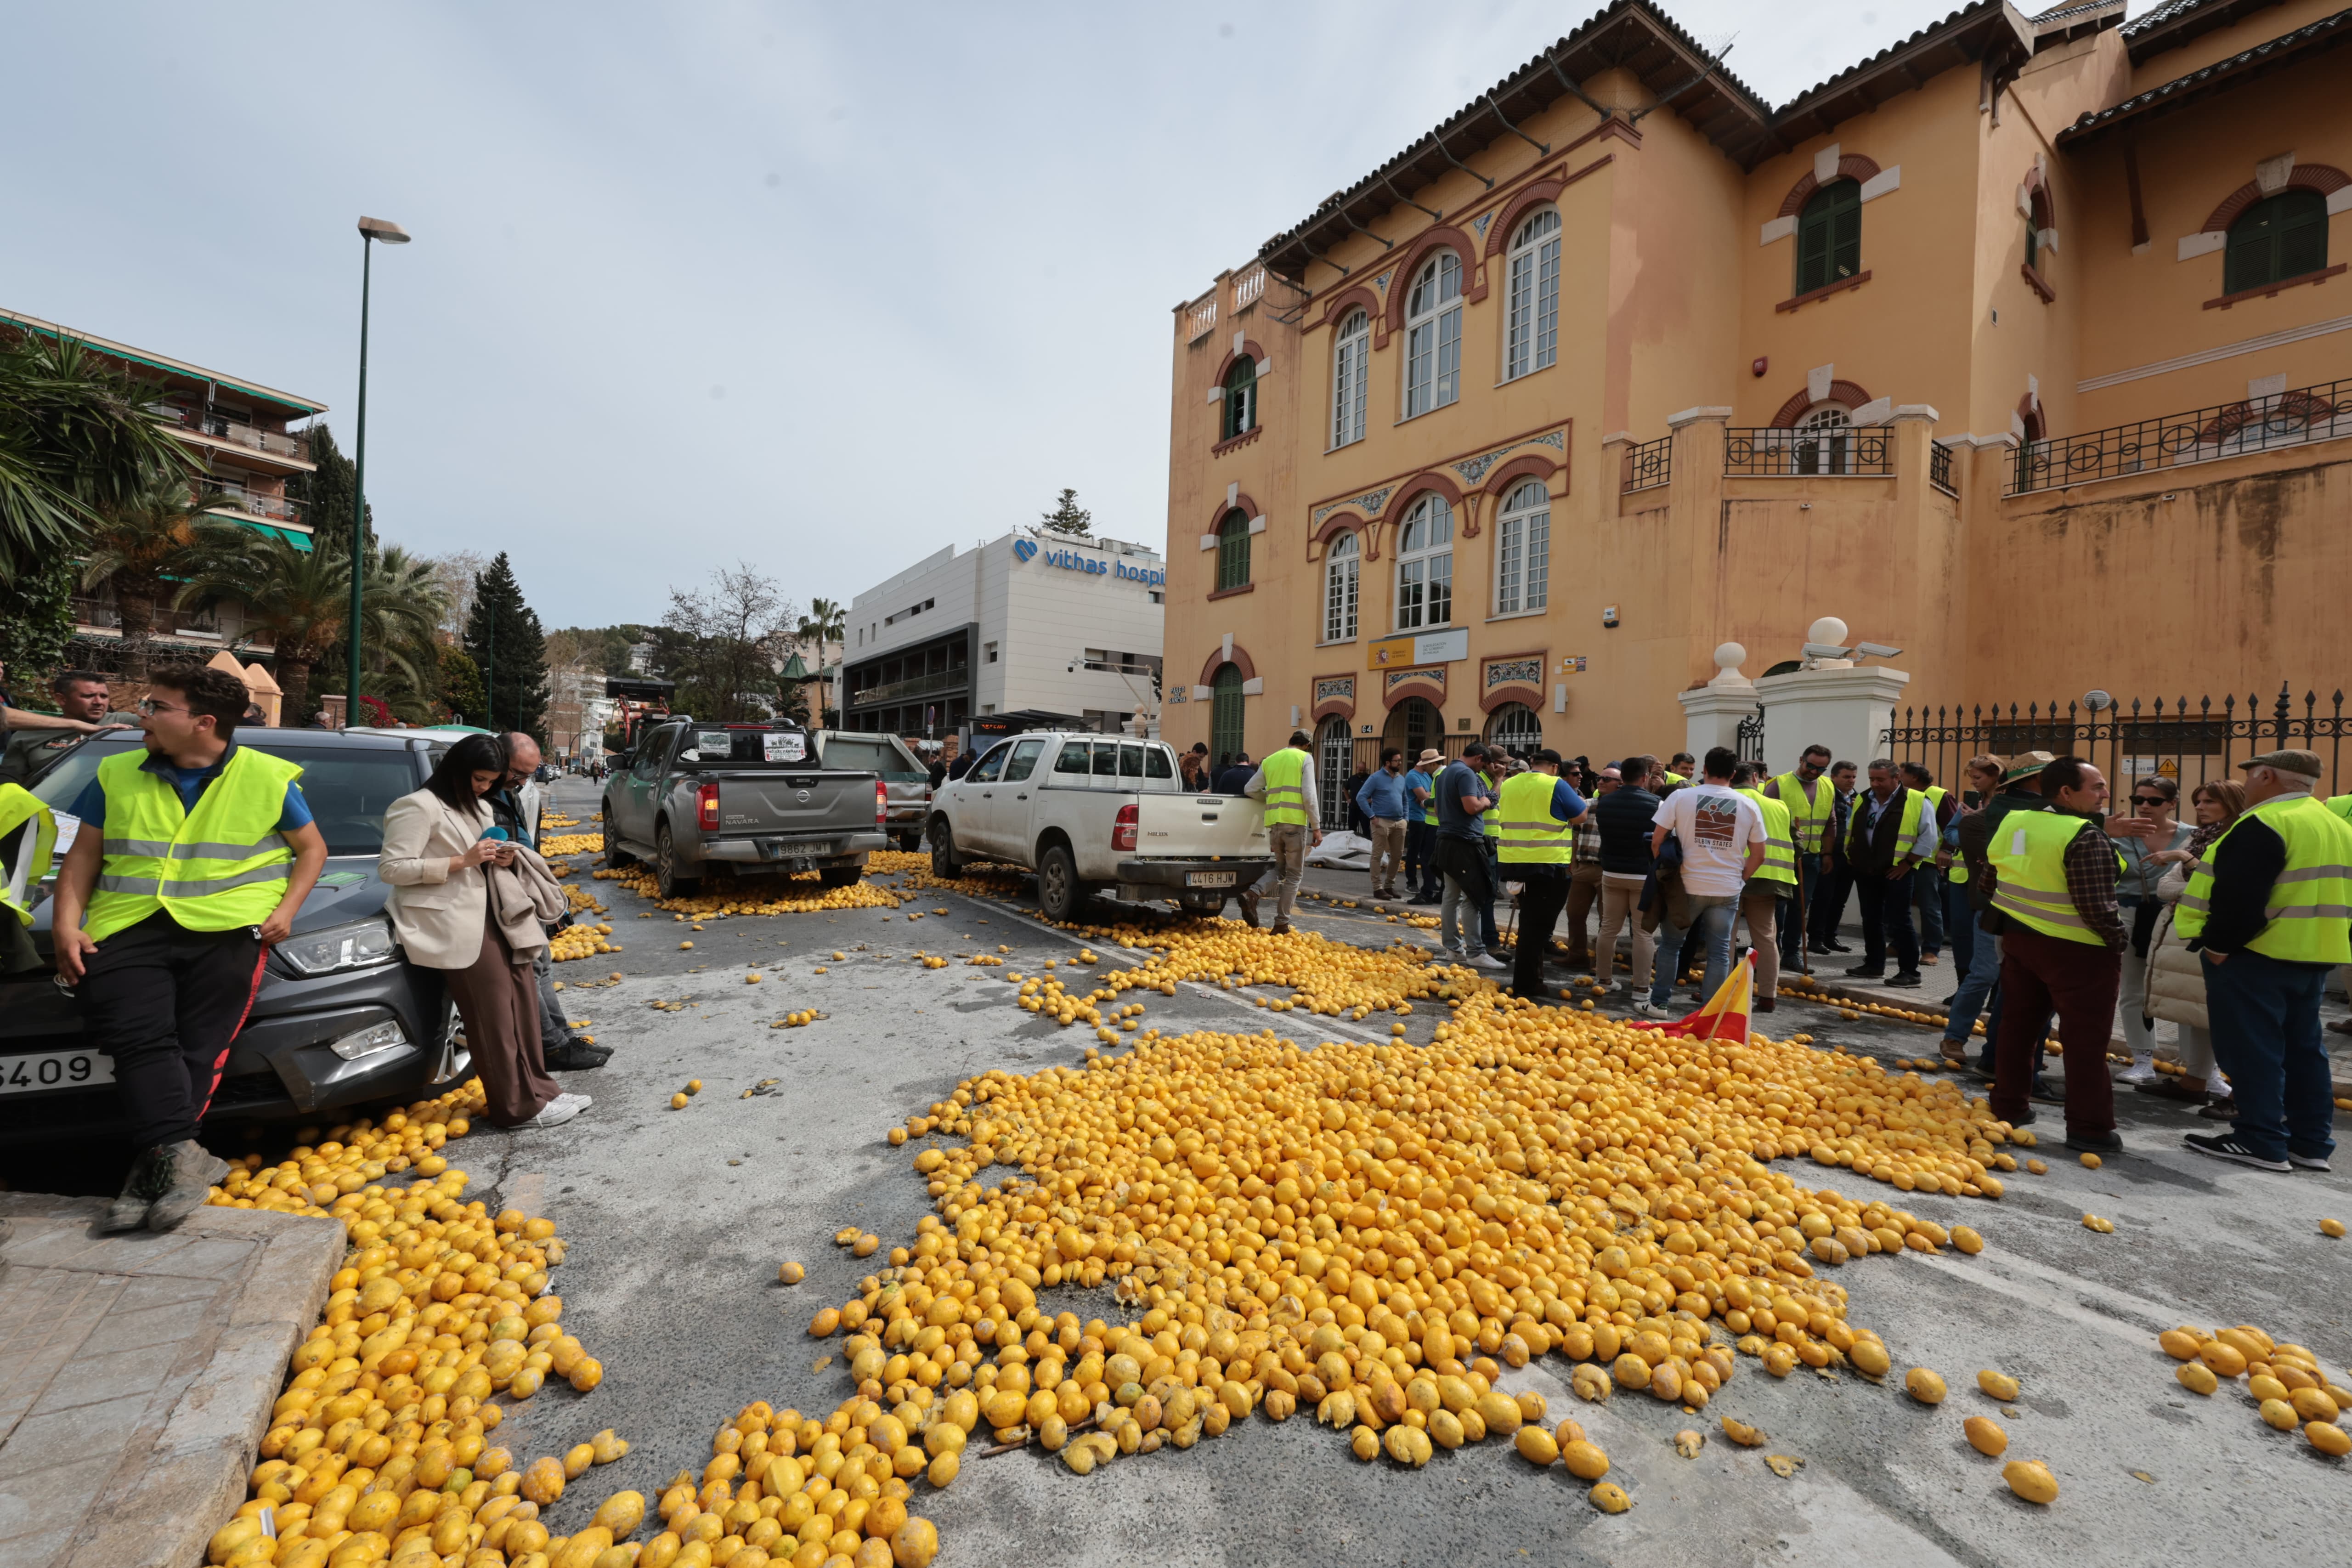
{"x": 1352, "y": 375}
{"x": 1824, "y": 454}
{"x": 1424, "y": 568}
{"x": 1432, "y": 340}
{"x": 1523, "y": 550}
{"x": 1342, "y": 587}
{"x": 1531, "y": 315}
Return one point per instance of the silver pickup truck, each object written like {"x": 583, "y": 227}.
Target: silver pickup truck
{"x": 903, "y": 774}
{"x": 697, "y": 797}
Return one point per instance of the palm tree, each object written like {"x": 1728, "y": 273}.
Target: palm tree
{"x": 137, "y": 544}
{"x": 825, "y": 620}
{"x": 75, "y": 439}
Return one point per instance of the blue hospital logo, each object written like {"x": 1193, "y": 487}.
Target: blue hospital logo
{"x": 1023, "y": 548}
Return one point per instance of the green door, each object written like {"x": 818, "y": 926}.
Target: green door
{"x": 1225, "y": 718}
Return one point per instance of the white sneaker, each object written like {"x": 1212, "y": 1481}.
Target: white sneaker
{"x": 559, "y": 1110}
{"x": 2138, "y": 1072}
{"x": 1651, "y": 1010}
{"x": 1487, "y": 961}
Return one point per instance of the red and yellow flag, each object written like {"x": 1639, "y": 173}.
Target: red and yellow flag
{"x": 1724, "y": 1016}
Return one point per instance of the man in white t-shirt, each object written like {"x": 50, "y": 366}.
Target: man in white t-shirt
{"x": 1722, "y": 838}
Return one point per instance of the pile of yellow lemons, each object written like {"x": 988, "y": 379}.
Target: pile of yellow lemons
{"x": 763, "y": 895}
{"x": 582, "y": 941}
{"x": 551, "y": 844}
{"x": 2283, "y": 1380}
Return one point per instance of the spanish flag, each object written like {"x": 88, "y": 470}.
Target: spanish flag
{"x": 1724, "y": 1016}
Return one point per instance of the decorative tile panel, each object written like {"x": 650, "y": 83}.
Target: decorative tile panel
{"x": 1369, "y": 503}
{"x": 1474, "y": 469}
{"x": 1179, "y": 694}
{"x": 1431, "y": 674}
{"x": 1513, "y": 672}
{"x": 1341, "y": 687}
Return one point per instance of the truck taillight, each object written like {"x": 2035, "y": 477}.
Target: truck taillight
{"x": 706, "y": 806}
{"x": 881, "y": 803}
{"x": 1122, "y": 831}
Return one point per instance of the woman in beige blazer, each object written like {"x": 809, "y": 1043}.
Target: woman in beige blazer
{"x": 435, "y": 859}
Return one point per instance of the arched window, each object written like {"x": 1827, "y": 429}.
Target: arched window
{"x": 1226, "y": 711}
{"x": 1351, "y": 353}
{"x": 2279, "y": 237}
{"x": 1433, "y": 343}
{"x": 1233, "y": 551}
{"x": 1523, "y": 550}
{"x": 1342, "y": 564}
{"x": 1333, "y": 753}
{"x": 1514, "y": 727}
{"x": 1531, "y": 323}
{"x": 1425, "y": 566}
{"x": 1241, "y": 399}
{"x": 1823, "y": 439}
{"x": 1414, "y": 726}
{"x": 1829, "y": 235}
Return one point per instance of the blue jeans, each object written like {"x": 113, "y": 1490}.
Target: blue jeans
{"x": 1977, "y": 980}
{"x": 1712, "y": 925}
{"x": 1927, "y": 897}
{"x": 1959, "y": 920}
{"x": 1792, "y": 931}
{"x": 2266, "y": 1037}
{"x": 1488, "y": 933}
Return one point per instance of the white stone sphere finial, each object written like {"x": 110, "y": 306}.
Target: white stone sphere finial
{"x": 1829, "y": 631}
{"x": 1728, "y": 656}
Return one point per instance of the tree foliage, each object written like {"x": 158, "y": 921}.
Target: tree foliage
{"x": 35, "y": 623}
{"x": 506, "y": 641}
{"x": 137, "y": 545}
{"x": 75, "y": 439}
{"x": 1068, "y": 516}
{"x": 721, "y": 643}
{"x": 461, "y": 684}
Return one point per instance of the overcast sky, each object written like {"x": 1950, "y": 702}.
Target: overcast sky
{"x": 819, "y": 287}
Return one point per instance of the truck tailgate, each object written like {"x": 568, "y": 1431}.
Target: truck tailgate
{"x": 796, "y": 803}
{"x": 1199, "y": 827}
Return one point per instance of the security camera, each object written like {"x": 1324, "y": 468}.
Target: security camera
{"x": 1823, "y": 651}
{"x": 1875, "y": 650}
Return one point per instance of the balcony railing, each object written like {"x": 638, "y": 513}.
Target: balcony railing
{"x": 2174, "y": 440}
{"x": 1939, "y": 468}
{"x": 277, "y": 509}
{"x": 106, "y": 614}
{"x": 1837, "y": 450}
{"x": 1247, "y": 288}
{"x": 277, "y": 443}
{"x": 1199, "y": 319}
{"x": 1647, "y": 465}
{"x": 915, "y": 686}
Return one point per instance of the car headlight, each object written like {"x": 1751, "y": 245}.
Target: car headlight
{"x": 366, "y": 1042}
{"x": 353, "y": 946}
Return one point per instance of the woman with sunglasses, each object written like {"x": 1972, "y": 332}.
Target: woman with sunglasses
{"x": 2149, "y": 832}
{"x": 2176, "y": 977}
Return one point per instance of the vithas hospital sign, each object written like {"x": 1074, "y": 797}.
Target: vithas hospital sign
{"x": 1026, "y": 550}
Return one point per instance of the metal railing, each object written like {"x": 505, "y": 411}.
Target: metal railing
{"x": 2174, "y": 440}
{"x": 1247, "y": 288}
{"x": 107, "y": 615}
{"x": 2187, "y": 742}
{"x": 1647, "y": 464}
{"x": 913, "y": 686}
{"x": 278, "y": 509}
{"x": 277, "y": 443}
{"x": 1939, "y": 468}
{"x": 1839, "y": 450}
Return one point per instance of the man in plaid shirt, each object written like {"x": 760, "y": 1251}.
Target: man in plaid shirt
{"x": 1584, "y": 874}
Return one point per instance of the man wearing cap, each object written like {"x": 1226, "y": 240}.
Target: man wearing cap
{"x": 2053, "y": 879}
{"x": 1812, "y": 801}
{"x": 1536, "y": 813}
{"x": 1421, "y": 826}
{"x": 2268, "y": 908}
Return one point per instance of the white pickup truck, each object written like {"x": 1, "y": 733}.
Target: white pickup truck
{"x": 1098, "y": 815}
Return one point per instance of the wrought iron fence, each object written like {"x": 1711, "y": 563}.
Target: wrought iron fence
{"x": 1750, "y": 740}
{"x": 1837, "y": 449}
{"x": 2188, "y": 743}
{"x": 1647, "y": 464}
{"x": 1939, "y": 468}
{"x": 2173, "y": 440}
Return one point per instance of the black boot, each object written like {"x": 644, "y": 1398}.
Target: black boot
{"x": 185, "y": 1173}
{"x": 129, "y": 1211}
{"x": 576, "y": 1055}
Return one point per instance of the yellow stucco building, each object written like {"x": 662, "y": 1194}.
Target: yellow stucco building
{"x": 2024, "y": 346}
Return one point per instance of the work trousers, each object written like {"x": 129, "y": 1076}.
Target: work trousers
{"x": 1977, "y": 980}
{"x": 1420, "y": 859}
{"x": 1543, "y": 893}
{"x": 2039, "y": 972}
{"x": 1487, "y": 932}
{"x": 165, "y": 1003}
{"x": 1583, "y": 893}
{"x": 1387, "y": 837}
{"x": 1887, "y": 920}
{"x": 496, "y": 998}
{"x": 1796, "y": 920}
{"x": 1829, "y": 910}
{"x": 1927, "y": 899}
{"x": 1759, "y": 905}
{"x": 1469, "y": 894}
{"x": 1960, "y": 919}
{"x": 1621, "y": 907}
{"x": 1288, "y": 842}
{"x": 2265, "y": 1017}
{"x": 1710, "y": 930}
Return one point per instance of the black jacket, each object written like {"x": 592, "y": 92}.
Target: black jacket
{"x": 1625, "y": 818}
{"x": 1874, "y": 854}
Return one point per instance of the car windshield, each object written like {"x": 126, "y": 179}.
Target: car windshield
{"x": 348, "y": 788}
{"x": 871, "y": 756}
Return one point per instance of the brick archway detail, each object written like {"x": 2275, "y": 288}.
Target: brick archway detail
{"x": 1354, "y": 296}
{"x": 1433, "y": 692}
{"x": 1530, "y": 465}
{"x": 1241, "y": 503}
{"x": 1445, "y": 237}
{"x": 1849, "y": 393}
{"x": 1340, "y": 522}
{"x": 1466, "y": 520}
{"x": 1216, "y": 661}
{"x": 2324, "y": 178}
{"x": 1499, "y": 235}
{"x": 1850, "y": 166}
{"x": 1224, "y": 366}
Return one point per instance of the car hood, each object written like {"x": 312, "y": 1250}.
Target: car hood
{"x": 348, "y": 890}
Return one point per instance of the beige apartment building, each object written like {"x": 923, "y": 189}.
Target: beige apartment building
{"x": 2021, "y": 345}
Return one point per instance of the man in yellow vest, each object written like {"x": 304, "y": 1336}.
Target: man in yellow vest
{"x": 1767, "y": 897}
{"x": 1535, "y": 820}
{"x": 1812, "y": 801}
{"x": 29, "y": 835}
{"x": 2270, "y": 908}
{"x": 189, "y": 863}
{"x": 1285, "y": 781}
{"x": 2052, "y": 878}
{"x": 1928, "y": 904}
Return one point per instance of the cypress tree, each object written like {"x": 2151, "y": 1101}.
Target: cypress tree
{"x": 505, "y": 641}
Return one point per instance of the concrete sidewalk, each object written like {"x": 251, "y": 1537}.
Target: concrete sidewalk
{"x": 137, "y": 1373}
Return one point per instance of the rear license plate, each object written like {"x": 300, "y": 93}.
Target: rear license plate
{"x": 54, "y": 1070}
{"x": 1208, "y": 879}
{"x": 774, "y": 849}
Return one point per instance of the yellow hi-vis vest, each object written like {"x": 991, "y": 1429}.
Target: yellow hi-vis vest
{"x": 2341, "y": 806}
{"x": 2029, "y": 853}
{"x": 1808, "y": 815}
{"x": 1780, "y": 850}
{"x": 1285, "y": 791}
{"x": 214, "y": 868}
{"x": 1490, "y": 821}
{"x": 19, "y": 806}
{"x": 2311, "y": 903}
{"x": 1527, "y": 832}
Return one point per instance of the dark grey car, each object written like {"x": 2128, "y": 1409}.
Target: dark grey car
{"x": 342, "y": 1019}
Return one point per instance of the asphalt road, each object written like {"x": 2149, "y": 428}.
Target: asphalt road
{"x": 677, "y": 1221}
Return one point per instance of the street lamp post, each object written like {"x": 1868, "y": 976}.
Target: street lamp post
{"x": 372, "y": 229}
